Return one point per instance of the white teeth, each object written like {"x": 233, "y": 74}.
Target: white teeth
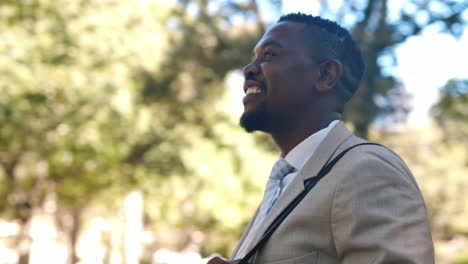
{"x": 253, "y": 90}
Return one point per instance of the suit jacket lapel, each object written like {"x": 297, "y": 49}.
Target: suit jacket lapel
{"x": 246, "y": 231}
{"x": 324, "y": 152}
{"x": 294, "y": 188}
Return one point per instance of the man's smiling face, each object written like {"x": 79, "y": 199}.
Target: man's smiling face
{"x": 279, "y": 82}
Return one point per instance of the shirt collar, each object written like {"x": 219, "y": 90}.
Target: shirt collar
{"x": 304, "y": 150}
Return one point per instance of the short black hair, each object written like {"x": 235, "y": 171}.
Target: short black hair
{"x": 333, "y": 42}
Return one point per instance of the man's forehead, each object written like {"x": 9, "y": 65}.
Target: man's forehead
{"x": 279, "y": 33}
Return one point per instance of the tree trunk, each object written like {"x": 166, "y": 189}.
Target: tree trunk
{"x": 133, "y": 208}
{"x": 74, "y": 232}
{"x": 23, "y": 258}
{"x": 23, "y": 243}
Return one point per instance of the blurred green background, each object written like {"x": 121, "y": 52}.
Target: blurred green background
{"x": 119, "y": 139}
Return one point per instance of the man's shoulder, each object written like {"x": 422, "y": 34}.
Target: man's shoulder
{"x": 362, "y": 157}
{"x": 371, "y": 150}
{"x": 375, "y": 163}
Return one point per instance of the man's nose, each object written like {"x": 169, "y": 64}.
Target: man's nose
{"x": 251, "y": 69}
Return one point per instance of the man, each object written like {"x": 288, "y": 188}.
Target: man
{"x": 368, "y": 208}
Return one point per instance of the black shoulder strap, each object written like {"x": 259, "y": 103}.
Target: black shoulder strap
{"x": 278, "y": 220}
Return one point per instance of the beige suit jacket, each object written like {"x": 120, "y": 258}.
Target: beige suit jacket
{"x": 368, "y": 209}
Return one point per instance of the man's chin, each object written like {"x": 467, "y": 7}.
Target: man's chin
{"x": 254, "y": 120}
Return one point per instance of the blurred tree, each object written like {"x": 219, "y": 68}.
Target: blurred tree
{"x": 59, "y": 142}
{"x": 379, "y": 26}
{"x": 451, "y": 112}
{"x": 65, "y": 108}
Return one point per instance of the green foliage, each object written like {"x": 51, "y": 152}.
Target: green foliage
{"x": 66, "y": 96}
{"x": 462, "y": 258}
{"x": 451, "y": 111}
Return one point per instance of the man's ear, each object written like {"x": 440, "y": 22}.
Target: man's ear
{"x": 330, "y": 74}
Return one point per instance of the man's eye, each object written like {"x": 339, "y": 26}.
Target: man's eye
{"x": 268, "y": 55}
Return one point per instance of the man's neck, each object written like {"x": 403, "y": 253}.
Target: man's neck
{"x": 290, "y": 137}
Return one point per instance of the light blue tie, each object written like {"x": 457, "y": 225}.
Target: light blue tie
{"x": 275, "y": 183}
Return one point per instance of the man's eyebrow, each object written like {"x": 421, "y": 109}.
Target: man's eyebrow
{"x": 268, "y": 43}
{"x": 271, "y": 43}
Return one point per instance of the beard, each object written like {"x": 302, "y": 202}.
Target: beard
{"x": 257, "y": 119}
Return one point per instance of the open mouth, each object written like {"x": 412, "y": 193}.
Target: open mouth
{"x": 253, "y": 94}
{"x": 253, "y": 90}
